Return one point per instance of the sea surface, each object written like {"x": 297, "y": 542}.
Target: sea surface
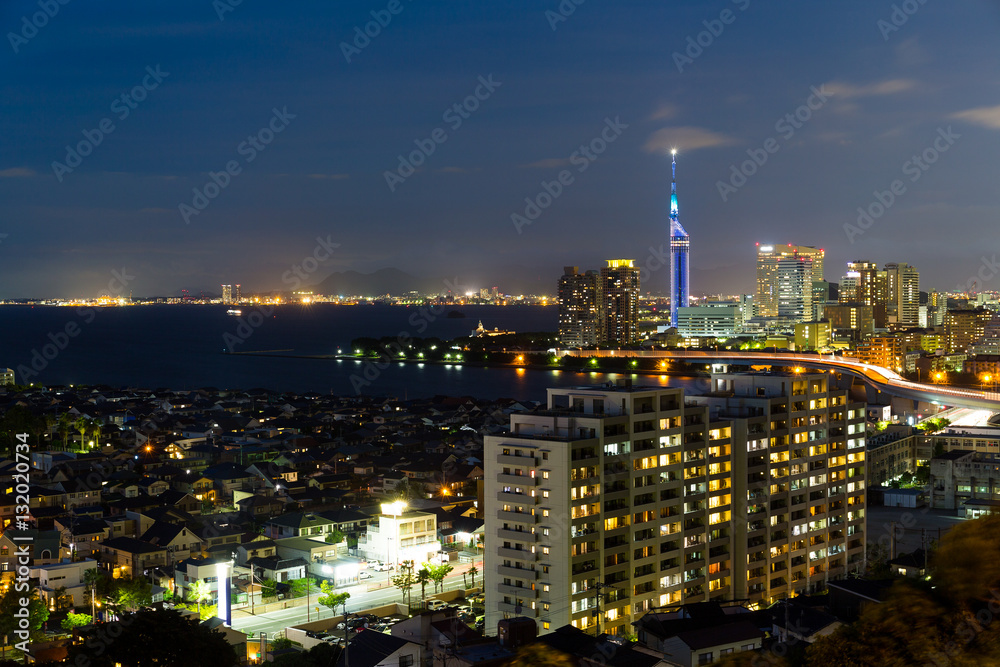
{"x": 184, "y": 347}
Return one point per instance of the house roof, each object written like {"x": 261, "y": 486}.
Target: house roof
{"x": 721, "y": 634}
{"x": 131, "y": 545}
{"x": 368, "y": 649}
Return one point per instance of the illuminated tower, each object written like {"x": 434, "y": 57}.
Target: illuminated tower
{"x": 680, "y": 247}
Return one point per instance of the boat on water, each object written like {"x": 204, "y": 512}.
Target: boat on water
{"x": 235, "y": 312}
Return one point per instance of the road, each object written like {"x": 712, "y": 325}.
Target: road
{"x": 361, "y": 598}
{"x": 881, "y": 378}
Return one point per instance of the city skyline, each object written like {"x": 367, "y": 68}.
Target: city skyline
{"x": 137, "y": 140}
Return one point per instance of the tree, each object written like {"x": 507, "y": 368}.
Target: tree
{"x": 199, "y": 591}
{"x": 10, "y": 604}
{"x": 82, "y": 424}
{"x": 404, "y": 580}
{"x": 62, "y": 601}
{"x": 268, "y": 590}
{"x": 130, "y": 594}
{"x": 153, "y": 637}
{"x": 95, "y": 428}
{"x": 423, "y": 578}
{"x": 473, "y": 571}
{"x": 75, "y": 621}
{"x": 332, "y": 599}
{"x": 438, "y": 574}
{"x": 64, "y": 425}
{"x": 335, "y": 537}
{"x": 302, "y": 586}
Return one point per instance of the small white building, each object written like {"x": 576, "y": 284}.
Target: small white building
{"x": 207, "y": 570}
{"x": 399, "y": 534}
{"x": 7, "y": 376}
{"x": 66, "y": 575}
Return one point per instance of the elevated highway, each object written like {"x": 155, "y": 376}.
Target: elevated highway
{"x": 878, "y": 377}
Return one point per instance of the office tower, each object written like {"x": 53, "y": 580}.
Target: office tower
{"x": 614, "y": 501}
{"x": 618, "y": 303}
{"x": 680, "y": 249}
{"x": 963, "y": 328}
{"x": 773, "y": 262}
{"x": 227, "y": 294}
{"x": 858, "y": 285}
{"x": 239, "y": 293}
{"x": 794, "y": 288}
{"x": 902, "y": 295}
{"x": 577, "y": 308}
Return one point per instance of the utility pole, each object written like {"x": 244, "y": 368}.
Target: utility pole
{"x": 599, "y": 596}
{"x": 251, "y": 588}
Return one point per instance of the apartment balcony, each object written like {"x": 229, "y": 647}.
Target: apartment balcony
{"x": 522, "y": 517}
{"x": 517, "y": 591}
{"x": 517, "y": 554}
{"x": 519, "y": 535}
{"x": 516, "y": 460}
{"x": 517, "y": 572}
{"x": 517, "y": 498}
{"x": 518, "y": 480}
{"x": 525, "y": 610}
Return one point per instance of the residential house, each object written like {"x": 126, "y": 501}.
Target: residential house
{"x": 66, "y": 575}
{"x": 130, "y": 557}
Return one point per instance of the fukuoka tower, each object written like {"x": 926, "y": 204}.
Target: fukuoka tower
{"x": 680, "y": 248}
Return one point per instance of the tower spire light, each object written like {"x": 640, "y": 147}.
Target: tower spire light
{"x": 680, "y": 246}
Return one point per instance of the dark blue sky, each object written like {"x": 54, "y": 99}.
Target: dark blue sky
{"x": 889, "y": 94}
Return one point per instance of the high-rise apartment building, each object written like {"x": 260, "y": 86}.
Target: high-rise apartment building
{"x": 680, "y": 250}
{"x": 227, "y": 294}
{"x": 902, "y": 295}
{"x": 613, "y": 501}
{"x": 578, "y": 307}
{"x": 618, "y": 303}
{"x": 239, "y": 293}
{"x": 785, "y": 274}
{"x": 963, "y": 328}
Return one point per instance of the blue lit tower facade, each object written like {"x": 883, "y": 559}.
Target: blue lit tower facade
{"x": 680, "y": 248}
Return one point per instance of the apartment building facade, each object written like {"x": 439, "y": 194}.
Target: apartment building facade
{"x": 611, "y": 502}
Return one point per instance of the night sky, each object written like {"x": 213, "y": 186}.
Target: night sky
{"x": 881, "y": 93}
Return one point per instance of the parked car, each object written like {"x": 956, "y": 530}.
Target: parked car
{"x": 365, "y": 574}
{"x": 435, "y": 605}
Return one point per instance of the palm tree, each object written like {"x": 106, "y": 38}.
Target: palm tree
{"x": 95, "y": 428}
{"x": 64, "y": 425}
{"x": 82, "y": 424}
{"x": 199, "y": 592}
{"x": 423, "y": 578}
{"x": 473, "y": 571}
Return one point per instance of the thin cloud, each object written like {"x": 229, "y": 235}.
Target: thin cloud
{"x": 843, "y": 90}
{"x": 985, "y": 116}
{"x": 664, "y": 112}
{"x": 17, "y": 172}
{"x": 547, "y": 163}
{"x": 685, "y": 138}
